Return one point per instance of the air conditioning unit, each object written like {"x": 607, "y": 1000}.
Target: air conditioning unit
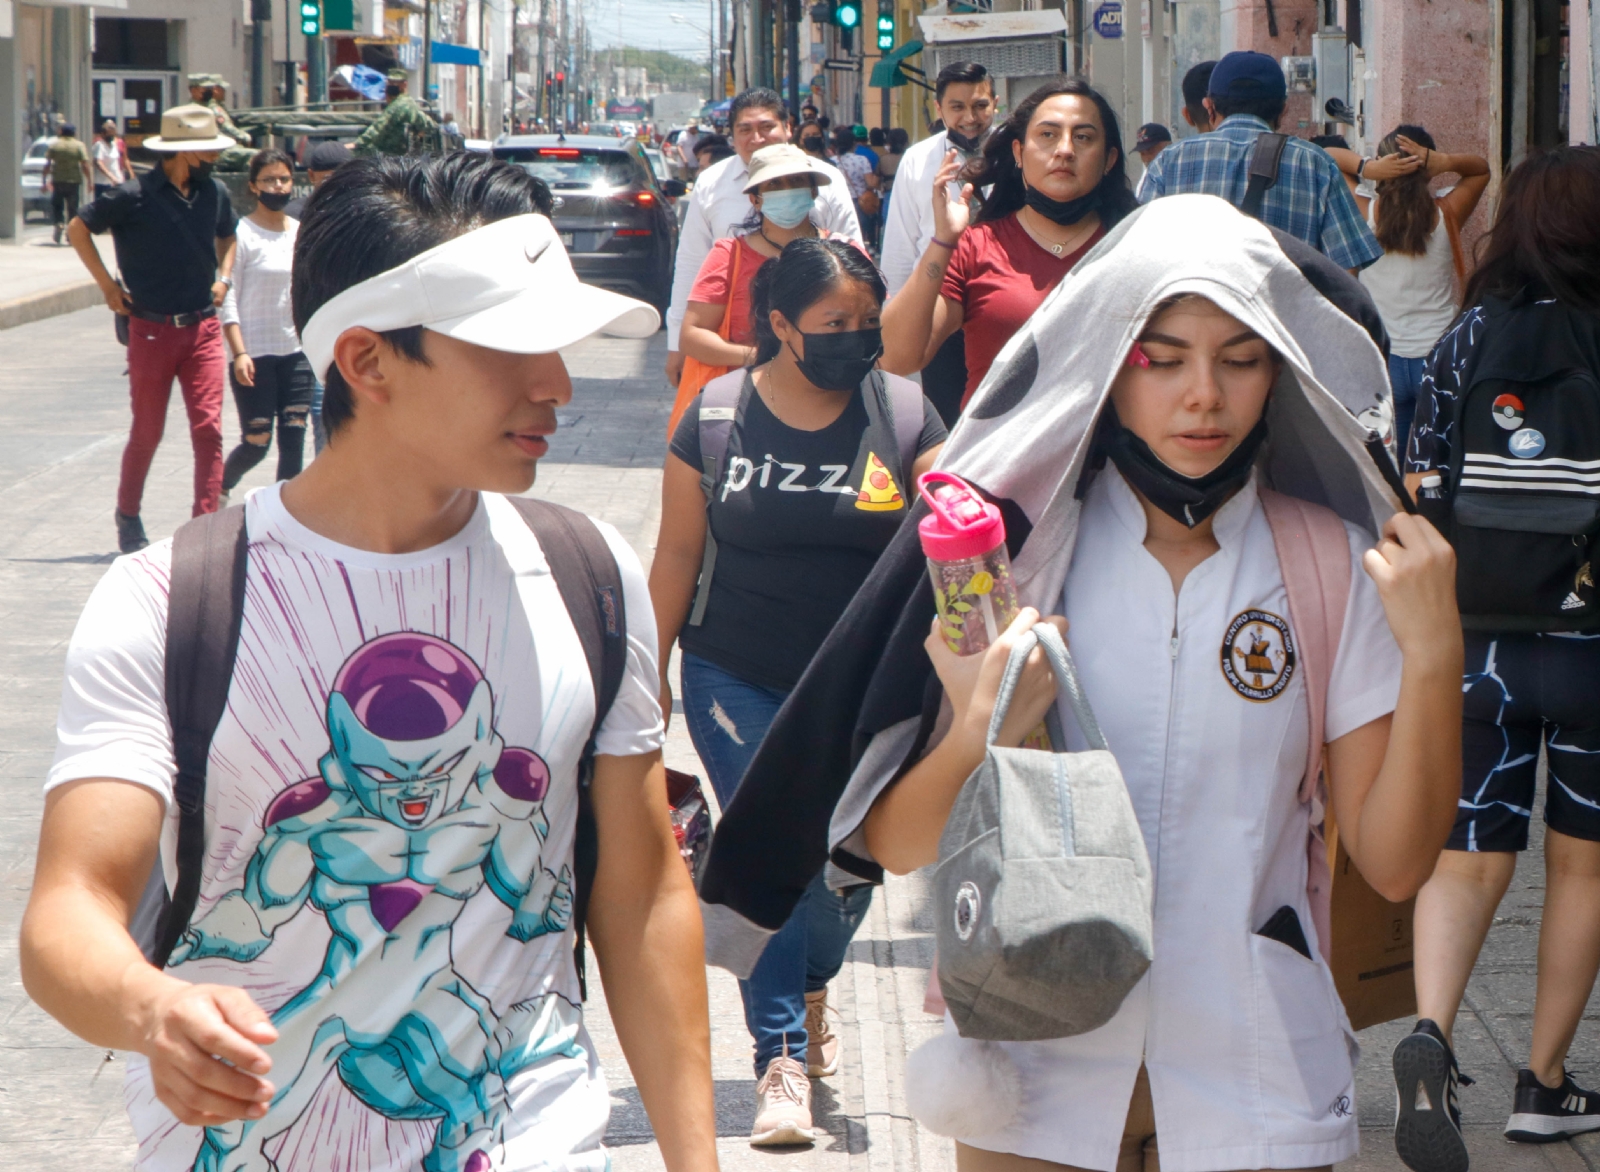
{"x": 1007, "y": 44}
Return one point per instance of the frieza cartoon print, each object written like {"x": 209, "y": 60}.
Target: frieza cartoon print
{"x": 418, "y": 804}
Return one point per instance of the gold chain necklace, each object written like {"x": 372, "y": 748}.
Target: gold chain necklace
{"x": 1053, "y": 249}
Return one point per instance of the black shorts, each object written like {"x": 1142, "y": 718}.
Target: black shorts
{"x": 1522, "y": 690}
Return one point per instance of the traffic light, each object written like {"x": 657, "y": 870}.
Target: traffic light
{"x": 885, "y": 29}
{"x": 311, "y": 17}
{"x": 847, "y": 15}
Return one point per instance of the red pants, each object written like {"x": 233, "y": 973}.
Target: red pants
{"x": 157, "y": 354}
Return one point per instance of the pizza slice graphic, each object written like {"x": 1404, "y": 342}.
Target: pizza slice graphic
{"x": 879, "y": 493}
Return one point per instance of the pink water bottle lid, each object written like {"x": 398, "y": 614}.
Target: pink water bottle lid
{"x": 962, "y": 524}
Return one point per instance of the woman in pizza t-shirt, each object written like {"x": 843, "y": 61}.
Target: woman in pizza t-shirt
{"x": 1056, "y": 182}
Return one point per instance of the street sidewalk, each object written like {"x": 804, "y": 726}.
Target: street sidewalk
{"x": 39, "y": 279}
{"x": 63, "y": 409}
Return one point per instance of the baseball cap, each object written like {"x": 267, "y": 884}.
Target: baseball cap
{"x": 780, "y": 159}
{"x": 325, "y": 156}
{"x": 1244, "y": 75}
{"x": 1150, "y": 134}
{"x": 507, "y": 286}
{"x": 860, "y": 133}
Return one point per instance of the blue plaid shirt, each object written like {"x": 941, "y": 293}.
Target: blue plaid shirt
{"x": 1310, "y": 199}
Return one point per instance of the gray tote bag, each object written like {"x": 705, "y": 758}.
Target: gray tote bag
{"x": 1042, "y": 892}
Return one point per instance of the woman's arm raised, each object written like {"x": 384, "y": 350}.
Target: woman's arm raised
{"x": 918, "y": 320}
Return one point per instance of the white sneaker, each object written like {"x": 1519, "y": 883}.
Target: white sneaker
{"x": 783, "y": 1106}
{"x": 823, "y": 1047}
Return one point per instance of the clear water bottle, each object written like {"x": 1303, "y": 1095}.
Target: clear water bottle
{"x": 964, "y": 540}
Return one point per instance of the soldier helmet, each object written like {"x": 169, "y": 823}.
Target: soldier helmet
{"x": 199, "y": 80}
{"x": 398, "y": 75}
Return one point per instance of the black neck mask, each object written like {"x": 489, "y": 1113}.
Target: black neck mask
{"x": 1190, "y": 499}
{"x": 967, "y": 144}
{"x": 1065, "y": 212}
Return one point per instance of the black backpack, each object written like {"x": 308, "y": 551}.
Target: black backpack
{"x": 1521, "y": 498}
{"x": 204, "y": 613}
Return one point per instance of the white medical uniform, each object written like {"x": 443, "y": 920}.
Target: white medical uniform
{"x": 718, "y": 205}
{"x": 1249, "y": 1050}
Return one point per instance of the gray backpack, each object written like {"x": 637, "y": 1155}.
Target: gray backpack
{"x": 1043, "y": 891}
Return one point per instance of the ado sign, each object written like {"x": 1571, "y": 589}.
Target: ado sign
{"x": 1108, "y": 19}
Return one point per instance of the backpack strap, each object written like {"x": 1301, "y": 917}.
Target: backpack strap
{"x": 1264, "y": 160}
{"x": 586, "y": 573}
{"x": 721, "y": 403}
{"x": 205, "y": 609}
{"x": 903, "y": 399}
{"x": 1314, "y": 558}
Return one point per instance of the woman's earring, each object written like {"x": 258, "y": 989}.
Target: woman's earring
{"x": 1137, "y": 357}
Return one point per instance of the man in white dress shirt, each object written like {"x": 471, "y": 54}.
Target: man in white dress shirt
{"x": 719, "y": 205}
{"x": 965, "y": 95}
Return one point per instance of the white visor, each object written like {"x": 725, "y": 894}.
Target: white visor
{"x": 507, "y": 286}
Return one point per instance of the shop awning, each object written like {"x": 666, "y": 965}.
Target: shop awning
{"x": 445, "y": 53}
{"x": 886, "y": 74}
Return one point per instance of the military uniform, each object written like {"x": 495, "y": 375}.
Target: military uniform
{"x": 403, "y": 128}
{"x": 236, "y": 158}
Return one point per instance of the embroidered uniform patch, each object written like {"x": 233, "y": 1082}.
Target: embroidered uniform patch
{"x": 1258, "y": 655}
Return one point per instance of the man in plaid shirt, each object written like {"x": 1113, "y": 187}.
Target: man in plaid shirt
{"x": 1310, "y": 199}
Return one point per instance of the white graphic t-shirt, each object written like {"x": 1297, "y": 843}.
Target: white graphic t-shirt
{"x": 390, "y": 814}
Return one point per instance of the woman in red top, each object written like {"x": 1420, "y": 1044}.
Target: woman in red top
{"x": 1057, "y": 182}
{"x": 782, "y": 187}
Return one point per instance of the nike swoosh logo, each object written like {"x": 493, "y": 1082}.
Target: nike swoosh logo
{"x": 533, "y": 257}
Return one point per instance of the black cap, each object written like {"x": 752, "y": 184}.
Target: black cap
{"x": 1245, "y": 75}
{"x": 1151, "y": 134}
{"x": 326, "y": 156}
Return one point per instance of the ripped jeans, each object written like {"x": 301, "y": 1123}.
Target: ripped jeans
{"x": 727, "y": 718}
{"x": 282, "y": 396}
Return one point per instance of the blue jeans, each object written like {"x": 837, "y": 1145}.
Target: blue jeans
{"x": 1405, "y": 380}
{"x": 727, "y": 718}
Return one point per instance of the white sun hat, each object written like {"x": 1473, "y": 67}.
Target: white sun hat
{"x": 780, "y": 159}
{"x": 189, "y": 128}
{"x": 507, "y": 286}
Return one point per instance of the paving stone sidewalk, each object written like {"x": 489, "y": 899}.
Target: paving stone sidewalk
{"x": 62, "y": 418}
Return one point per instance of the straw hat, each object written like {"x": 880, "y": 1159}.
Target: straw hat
{"x": 189, "y": 128}
{"x": 774, "y": 162}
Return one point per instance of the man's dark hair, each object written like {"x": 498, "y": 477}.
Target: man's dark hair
{"x": 803, "y": 274}
{"x": 1330, "y": 140}
{"x": 263, "y": 159}
{"x": 999, "y": 171}
{"x": 1268, "y": 109}
{"x": 757, "y": 98}
{"x": 375, "y": 214}
{"x": 899, "y": 139}
{"x": 875, "y": 136}
{"x": 715, "y": 145}
{"x": 1195, "y": 84}
{"x": 68, "y": 130}
{"x": 959, "y": 73}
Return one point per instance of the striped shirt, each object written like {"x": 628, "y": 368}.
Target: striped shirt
{"x": 1310, "y": 199}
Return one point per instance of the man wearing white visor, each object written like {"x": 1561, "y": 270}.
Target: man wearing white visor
{"x": 436, "y": 750}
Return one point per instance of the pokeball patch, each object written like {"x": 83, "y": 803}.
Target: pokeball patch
{"x": 1507, "y": 412}
{"x": 1527, "y": 443}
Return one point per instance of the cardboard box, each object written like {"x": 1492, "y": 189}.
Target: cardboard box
{"x": 1372, "y": 944}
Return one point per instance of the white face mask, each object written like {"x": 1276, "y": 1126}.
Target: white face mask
{"x": 789, "y": 207}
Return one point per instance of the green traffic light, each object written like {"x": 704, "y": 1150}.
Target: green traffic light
{"x": 885, "y": 31}
{"x": 848, "y": 15}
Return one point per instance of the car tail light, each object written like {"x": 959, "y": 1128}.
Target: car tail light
{"x": 633, "y": 232}
{"x": 559, "y": 152}
{"x": 643, "y": 199}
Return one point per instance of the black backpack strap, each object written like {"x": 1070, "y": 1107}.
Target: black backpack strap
{"x": 205, "y": 609}
{"x": 721, "y": 404}
{"x": 586, "y": 573}
{"x": 1264, "y": 162}
{"x": 903, "y": 399}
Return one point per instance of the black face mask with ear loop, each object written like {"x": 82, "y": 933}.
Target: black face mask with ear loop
{"x": 1190, "y": 499}
{"x": 1065, "y": 212}
{"x": 839, "y": 362}
{"x": 273, "y": 201}
{"x": 967, "y": 144}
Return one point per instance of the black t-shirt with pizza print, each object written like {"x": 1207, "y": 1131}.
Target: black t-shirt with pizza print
{"x": 800, "y": 518}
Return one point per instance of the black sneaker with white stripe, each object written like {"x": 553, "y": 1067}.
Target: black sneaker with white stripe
{"x": 1427, "y": 1122}
{"x": 1544, "y": 1113}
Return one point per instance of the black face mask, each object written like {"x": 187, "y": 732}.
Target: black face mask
{"x": 967, "y": 144}
{"x": 200, "y": 172}
{"x": 1190, "y": 499}
{"x": 273, "y": 201}
{"x": 839, "y": 362}
{"x": 1064, "y": 212}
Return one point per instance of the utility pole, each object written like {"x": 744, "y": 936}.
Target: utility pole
{"x": 260, "y": 50}
{"x": 427, "y": 47}
{"x": 791, "y": 16}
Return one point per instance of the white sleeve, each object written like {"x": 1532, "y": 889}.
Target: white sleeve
{"x": 634, "y": 726}
{"x": 113, "y": 717}
{"x": 838, "y": 210}
{"x": 694, "y": 245}
{"x": 229, "y": 316}
{"x": 901, "y": 233}
{"x": 1365, "y": 683}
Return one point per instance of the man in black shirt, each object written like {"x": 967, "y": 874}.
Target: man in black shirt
{"x": 173, "y": 228}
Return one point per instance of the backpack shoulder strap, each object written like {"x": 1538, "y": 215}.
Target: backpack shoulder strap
{"x": 1264, "y": 160}
{"x": 205, "y": 609}
{"x": 904, "y": 399}
{"x": 1314, "y": 558}
{"x": 721, "y": 403}
{"x": 590, "y": 583}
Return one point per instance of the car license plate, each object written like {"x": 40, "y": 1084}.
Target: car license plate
{"x": 566, "y": 239}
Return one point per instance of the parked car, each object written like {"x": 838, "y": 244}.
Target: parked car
{"x": 615, "y": 217}
{"x": 664, "y": 176}
{"x": 35, "y": 195}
